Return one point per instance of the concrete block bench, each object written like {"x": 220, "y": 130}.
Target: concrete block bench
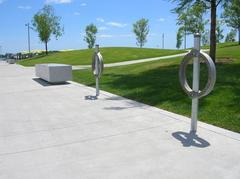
{"x": 11, "y": 61}
{"x": 54, "y": 73}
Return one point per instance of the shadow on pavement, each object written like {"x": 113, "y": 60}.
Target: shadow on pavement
{"x": 46, "y": 84}
{"x": 190, "y": 139}
{"x": 91, "y": 98}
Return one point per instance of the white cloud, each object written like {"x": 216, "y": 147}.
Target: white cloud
{"x": 152, "y": 34}
{"x": 102, "y": 28}
{"x": 126, "y": 35}
{"x": 115, "y": 36}
{"x": 161, "y": 20}
{"x": 83, "y": 4}
{"x": 58, "y": 1}
{"x": 105, "y": 36}
{"x": 99, "y": 19}
{"x": 76, "y": 13}
{"x": 24, "y": 7}
{"x": 116, "y": 24}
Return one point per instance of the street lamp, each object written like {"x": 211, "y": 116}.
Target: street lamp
{"x": 28, "y": 27}
{"x": 163, "y": 38}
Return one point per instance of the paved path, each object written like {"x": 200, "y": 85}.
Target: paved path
{"x": 79, "y": 67}
{"x": 57, "y": 132}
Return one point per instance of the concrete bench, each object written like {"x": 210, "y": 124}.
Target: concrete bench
{"x": 54, "y": 73}
{"x": 11, "y": 61}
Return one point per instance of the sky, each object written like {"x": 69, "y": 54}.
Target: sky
{"x": 113, "y": 18}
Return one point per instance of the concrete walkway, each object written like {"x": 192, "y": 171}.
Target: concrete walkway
{"x": 60, "y": 132}
{"x": 79, "y": 67}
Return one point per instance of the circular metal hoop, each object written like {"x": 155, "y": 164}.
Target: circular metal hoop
{"x": 211, "y": 74}
{"x": 97, "y": 59}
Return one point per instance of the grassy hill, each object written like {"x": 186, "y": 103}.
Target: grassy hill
{"x": 111, "y": 55}
{"x": 157, "y": 84}
{"x": 222, "y": 45}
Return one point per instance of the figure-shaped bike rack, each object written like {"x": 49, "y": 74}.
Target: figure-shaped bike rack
{"x": 97, "y": 67}
{"x": 194, "y": 92}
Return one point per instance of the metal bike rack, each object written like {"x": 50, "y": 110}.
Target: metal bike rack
{"x": 97, "y": 67}
{"x": 194, "y": 92}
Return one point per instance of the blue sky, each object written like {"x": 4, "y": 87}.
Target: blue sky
{"x": 113, "y": 18}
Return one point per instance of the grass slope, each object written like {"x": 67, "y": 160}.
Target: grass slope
{"x": 222, "y": 45}
{"x": 111, "y": 55}
{"x": 157, "y": 84}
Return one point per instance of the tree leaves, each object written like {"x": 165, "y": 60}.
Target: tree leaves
{"x": 91, "y": 31}
{"x": 46, "y": 23}
{"x": 141, "y": 30}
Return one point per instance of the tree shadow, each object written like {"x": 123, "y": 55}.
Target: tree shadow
{"x": 190, "y": 139}
{"x": 159, "y": 86}
{"x": 151, "y": 87}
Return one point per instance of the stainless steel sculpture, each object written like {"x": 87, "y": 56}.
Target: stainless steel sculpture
{"x": 97, "y": 67}
{"x": 194, "y": 92}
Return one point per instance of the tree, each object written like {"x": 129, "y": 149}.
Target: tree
{"x": 179, "y": 39}
{"x": 206, "y": 38}
{"x": 232, "y": 16}
{"x": 219, "y": 32}
{"x": 46, "y": 23}
{"x": 141, "y": 30}
{"x": 91, "y": 31}
{"x": 231, "y": 36}
{"x": 208, "y": 4}
{"x": 191, "y": 21}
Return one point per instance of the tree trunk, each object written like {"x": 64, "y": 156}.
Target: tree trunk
{"x": 213, "y": 30}
{"x": 46, "y": 48}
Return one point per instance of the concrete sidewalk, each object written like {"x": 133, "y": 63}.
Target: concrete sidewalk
{"x": 58, "y": 132}
{"x": 131, "y": 62}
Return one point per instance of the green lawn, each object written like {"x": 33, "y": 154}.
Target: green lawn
{"x": 111, "y": 55}
{"x": 222, "y": 45}
{"x": 157, "y": 84}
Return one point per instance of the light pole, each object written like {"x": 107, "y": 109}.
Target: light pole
{"x": 163, "y": 36}
{"x": 29, "y": 43}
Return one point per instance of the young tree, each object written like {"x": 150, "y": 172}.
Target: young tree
{"x": 208, "y": 4}
{"x": 141, "y": 30}
{"x": 219, "y": 32}
{"x": 205, "y": 38}
{"x": 231, "y": 36}
{"x": 191, "y": 20}
{"x": 91, "y": 31}
{"x": 46, "y": 23}
{"x": 179, "y": 39}
{"x": 232, "y": 16}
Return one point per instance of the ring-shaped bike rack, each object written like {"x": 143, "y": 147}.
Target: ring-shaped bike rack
{"x": 211, "y": 74}
{"x": 97, "y": 69}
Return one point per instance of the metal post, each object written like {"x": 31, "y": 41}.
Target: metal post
{"x": 163, "y": 40}
{"x": 196, "y": 78}
{"x": 29, "y": 48}
{"x": 97, "y": 72}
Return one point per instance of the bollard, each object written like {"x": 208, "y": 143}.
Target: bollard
{"x": 194, "y": 92}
